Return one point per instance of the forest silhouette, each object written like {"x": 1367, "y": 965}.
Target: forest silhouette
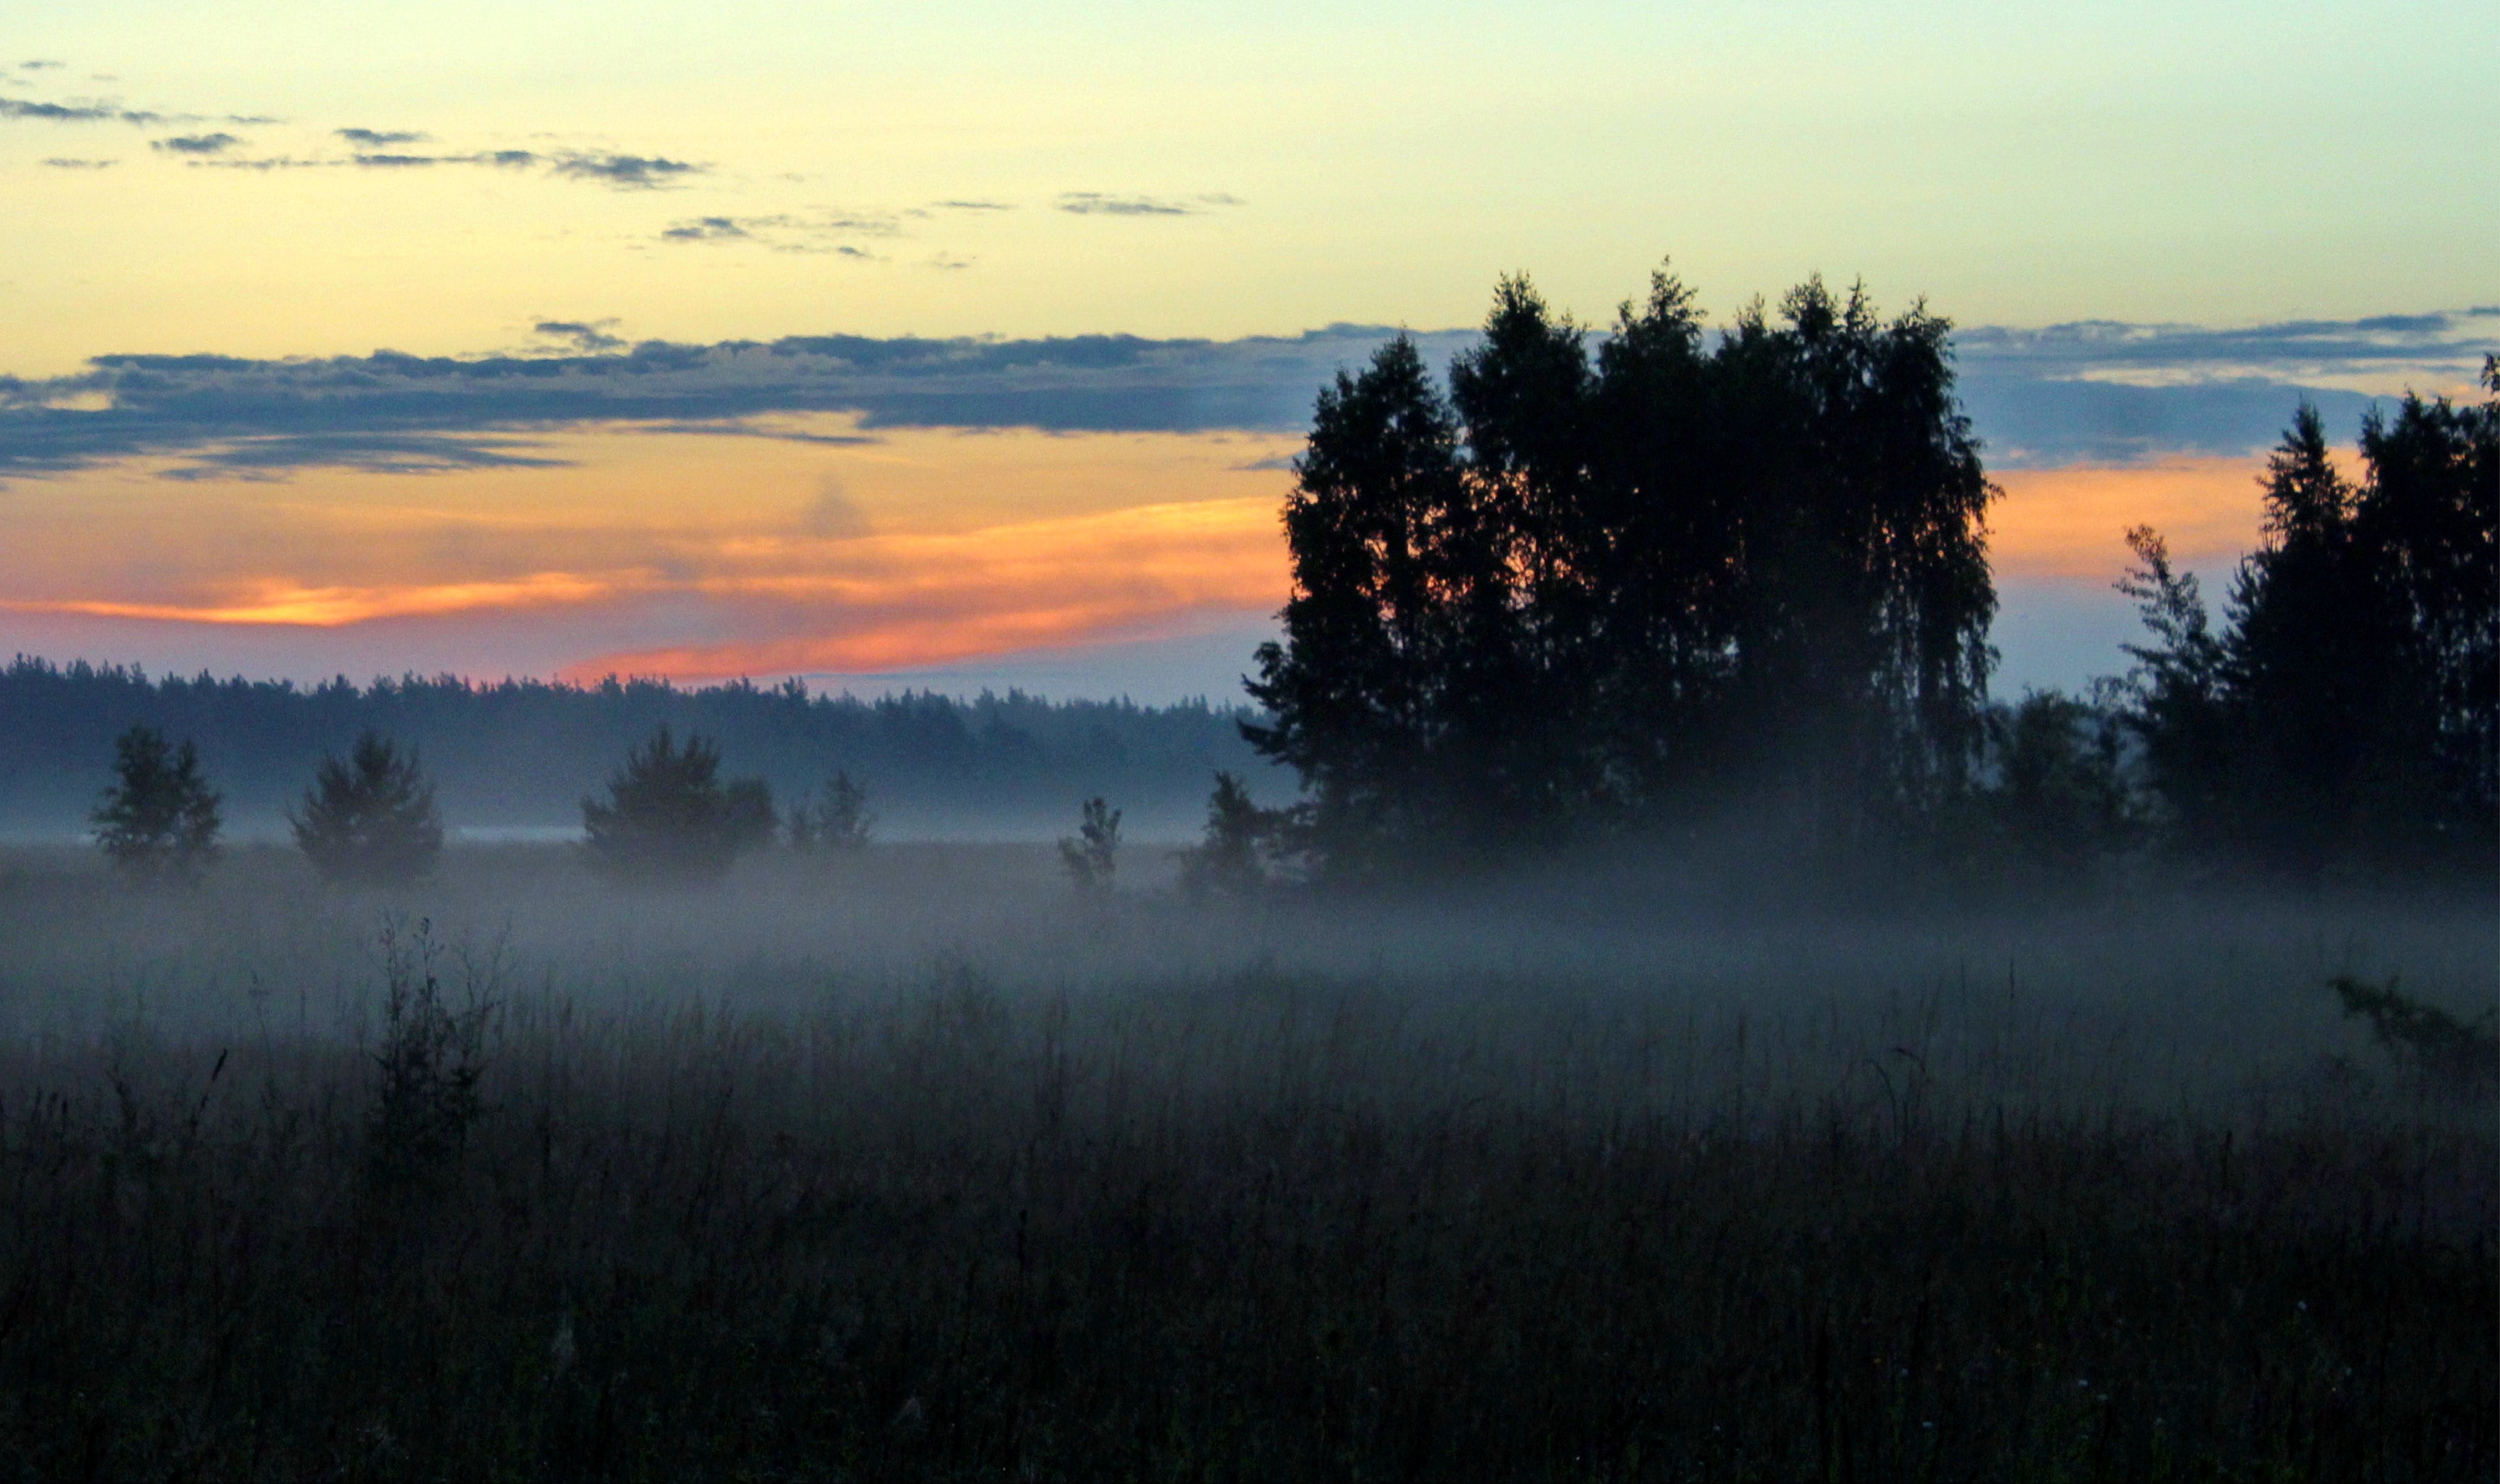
{"x": 1682, "y": 582}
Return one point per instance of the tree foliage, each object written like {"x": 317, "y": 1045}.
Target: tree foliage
{"x": 1231, "y": 859}
{"x": 1091, "y": 855}
{"x": 2344, "y": 717}
{"x": 837, "y": 821}
{"x": 370, "y": 818}
{"x": 669, "y": 815}
{"x": 1578, "y": 592}
{"x": 161, "y": 819}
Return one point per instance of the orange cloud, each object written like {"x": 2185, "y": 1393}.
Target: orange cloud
{"x": 325, "y": 608}
{"x": 881, "y": 602}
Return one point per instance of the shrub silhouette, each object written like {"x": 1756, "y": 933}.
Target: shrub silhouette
{"x": 2062, "y": 798}
{"x": 1091, "y": 855}
{"x": 160, "y": 821}
{"x": 430, "y": 1060}
{"x": 668, "y": 815}
{"x": 2461, "y": 1054}
{"x": 1231, "y": 859}
{"x": 839, "y": 820}
{"x": 371, "y": 817}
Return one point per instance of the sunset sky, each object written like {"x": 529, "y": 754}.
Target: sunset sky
{"x": 968, "y": 344}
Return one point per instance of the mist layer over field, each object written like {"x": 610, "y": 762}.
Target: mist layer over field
{"x": 916, "y": 1160}
{"x": 2210, "y": 998}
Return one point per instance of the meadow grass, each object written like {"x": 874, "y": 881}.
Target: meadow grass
{"x": 930, "y": 1171}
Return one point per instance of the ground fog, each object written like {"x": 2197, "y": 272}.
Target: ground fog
{"x": 919, "y": 1160}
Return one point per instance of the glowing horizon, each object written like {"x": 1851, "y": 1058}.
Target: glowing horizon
{"x": 649, "y": 276}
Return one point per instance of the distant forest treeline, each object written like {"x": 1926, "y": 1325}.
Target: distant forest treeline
{"x": 519, "y": 754}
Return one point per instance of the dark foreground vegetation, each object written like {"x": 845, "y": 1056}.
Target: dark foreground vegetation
{"x": 1135, "y": 1189}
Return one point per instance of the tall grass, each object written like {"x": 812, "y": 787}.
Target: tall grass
{"x": 1074, "y": 1220}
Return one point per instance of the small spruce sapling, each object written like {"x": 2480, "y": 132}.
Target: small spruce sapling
{"x": 1091, "y": 855}
{"x": 837, "y": 822}
{"x": 431, "y": 1059}
{"x": 160, "y": 821}
{"x": 1230, "y": 859}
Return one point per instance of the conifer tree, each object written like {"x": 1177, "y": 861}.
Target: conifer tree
{"x": 1091, "y": 855}
{"x": 370, "y": 818}
{"x": 839, "y": 820}
{"x": 669, "y": 817}
{"x": 161, "y": 819}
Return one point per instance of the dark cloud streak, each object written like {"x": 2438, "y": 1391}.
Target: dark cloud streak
{"x": 625, "y": 172}
{"x": 196, "y": 144}
{"x": 2036, "y": 396}
{"x": 77, "y": 112}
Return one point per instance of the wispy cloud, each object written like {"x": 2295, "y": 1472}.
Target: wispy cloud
{"x": 59, "y": 163}
{"x": 380, "y": 139}
{"x": 707, "y": 229}
{"x": 196, "y": 144}
{"x": 108, "y": 111}
{"x": 590, "y": 337}
{"x": 76, "y": 113}
{"x": 2106, "y": 391}
{"x": 1087, "y": 203}
{"x": 276, "y": 457}
{"x": 785, "y": 232}
{"x": 626, "y": 172}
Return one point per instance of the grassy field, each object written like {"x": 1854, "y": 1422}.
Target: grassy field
{"x": 916, "y": 1165}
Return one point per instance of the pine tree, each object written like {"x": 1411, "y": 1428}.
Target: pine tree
{"x": 668, "y": 815}
{"x": 160, "y": 821}
{"x": 372, "y": 817}
{"x": 1231, "y": 859}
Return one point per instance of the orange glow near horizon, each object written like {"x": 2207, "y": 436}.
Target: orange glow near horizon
{"x": 702, "y": 556}
{"x": 2071, "y": 524}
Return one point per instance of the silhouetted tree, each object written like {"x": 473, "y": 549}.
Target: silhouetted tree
{"x": 838, "y": 821}
{"x": 2061, "y": 796}
{"x": 1383, "y": 558}
{"x": 1567, "y": 596}
{"x": 159, "y": 820}
{"x": 2178, "y": 698}
{"x": 1230, "y": 859}
{"x": 1091, "y": 855}
{"x": 371, "y": 817}
{"x": 2429, "y": 528}
{"x": 669, "y": 815}
{"x": 2345, "y": 717}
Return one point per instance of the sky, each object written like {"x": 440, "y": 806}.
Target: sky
{"x": 970, "y": 344}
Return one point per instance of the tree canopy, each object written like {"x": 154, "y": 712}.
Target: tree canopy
{"x": 670, "y": 816}
{"x": 1576, "y": 591}
{"x": 370, "y": 818}
{"x": 2344, "y": 716}
{"x": 161, "y": 819}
